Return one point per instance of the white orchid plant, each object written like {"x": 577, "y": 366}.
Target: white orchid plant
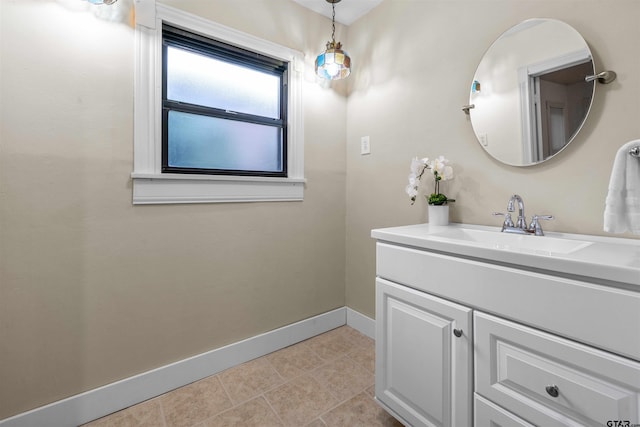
{"x": 442, "y": 171}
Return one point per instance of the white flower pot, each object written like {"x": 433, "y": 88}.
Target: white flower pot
{"x": 438, "y": 214}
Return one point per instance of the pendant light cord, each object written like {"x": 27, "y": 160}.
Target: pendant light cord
{"x": 333, "y": 24}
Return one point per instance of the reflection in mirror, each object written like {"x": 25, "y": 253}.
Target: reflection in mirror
{"x": 529, "y": 92}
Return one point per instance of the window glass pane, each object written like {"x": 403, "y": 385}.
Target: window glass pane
{"x": 197, "y": 141}
{"x": 202, "y": 80}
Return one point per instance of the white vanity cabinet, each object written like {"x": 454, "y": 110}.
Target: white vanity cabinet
{"x": 423, "y": 356}
{"x": 541, "y": 342}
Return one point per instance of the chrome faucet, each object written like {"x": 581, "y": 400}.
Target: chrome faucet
{"x": 520, "y": 227}
{"x": 521, "y": 222}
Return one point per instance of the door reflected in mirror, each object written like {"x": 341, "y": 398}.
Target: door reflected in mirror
{"x": 529, "y": 92}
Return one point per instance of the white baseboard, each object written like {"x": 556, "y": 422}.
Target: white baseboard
{"x": 110, "y": 398}
{"x": 361, "y": 323}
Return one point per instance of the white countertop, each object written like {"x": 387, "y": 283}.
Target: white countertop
{"x": 606, "y": 258}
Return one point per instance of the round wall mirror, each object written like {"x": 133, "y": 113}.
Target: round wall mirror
{"x": 529, "y": 95}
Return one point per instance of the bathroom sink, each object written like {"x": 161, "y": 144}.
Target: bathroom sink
{"x": 610, "y": 259}
{"x": 511, "y": 242}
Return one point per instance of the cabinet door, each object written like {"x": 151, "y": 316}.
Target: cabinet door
{"x": 423, "y": 368}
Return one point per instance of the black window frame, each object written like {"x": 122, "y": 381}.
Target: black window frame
{"x": 186, "y": 40}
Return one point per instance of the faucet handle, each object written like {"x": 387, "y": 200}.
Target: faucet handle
{"x": 508, "y": 222}
{"x": 535, "y": 227}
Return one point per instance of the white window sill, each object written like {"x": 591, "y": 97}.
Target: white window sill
{"x": 149, "y": 188}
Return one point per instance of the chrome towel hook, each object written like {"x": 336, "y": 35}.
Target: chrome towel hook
{"x": 466, "y": 108}
{"x": 604, "y": 77}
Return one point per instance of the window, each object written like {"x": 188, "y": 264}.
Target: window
{"x": 217, "y": 114}
{"x": 224, "y": 109}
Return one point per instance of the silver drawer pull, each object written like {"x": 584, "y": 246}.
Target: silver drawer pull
{"x": 457, "y": 332}
{"x": 552, "y": 390}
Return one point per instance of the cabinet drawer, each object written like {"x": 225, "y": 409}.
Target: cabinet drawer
{"x": 597, "y": 315}
{"x": 551, "y": 381}
{"x": 488, "y": 414}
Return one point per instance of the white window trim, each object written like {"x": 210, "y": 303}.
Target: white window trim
{"x": 150, "y": 185}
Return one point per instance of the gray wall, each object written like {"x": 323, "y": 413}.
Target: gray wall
{"x": 94, "y": 289}
{"x": 414, "y": 63}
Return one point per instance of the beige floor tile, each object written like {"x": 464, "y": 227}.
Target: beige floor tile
{"x": 300, "y": 400}
{"x": 360, "y": 411}
{"x": 254, "y": 413}
{"x": 371, "y": 391}
{"x": 332, "y": 344}
{"x": 250, "y": 379}
{"x": 355, "y": 337}
{"x": 298, "y": 386}
{"x": 294, "y": 360}
{"x": 344, "y": 378}
{"x": 195, "y": 402}
{"x": 146, "y": 414}
{"x": 365, "y": 356}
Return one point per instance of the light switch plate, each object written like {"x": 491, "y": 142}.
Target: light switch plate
{"x": 365, "y": 147}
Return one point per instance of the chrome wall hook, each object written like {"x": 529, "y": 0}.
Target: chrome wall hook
{"x": 604, "y": 77}
{"x": 466, "y": 108}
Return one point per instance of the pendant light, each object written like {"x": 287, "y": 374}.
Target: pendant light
{"x": 334, "y": 63}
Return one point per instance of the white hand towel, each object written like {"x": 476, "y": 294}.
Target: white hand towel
{"x": 622, "y": 205}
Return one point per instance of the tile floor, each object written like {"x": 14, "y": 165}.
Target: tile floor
{"x": 324, "y": 381}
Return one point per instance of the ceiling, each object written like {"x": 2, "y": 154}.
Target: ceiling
{"x": 347, "y": 11}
